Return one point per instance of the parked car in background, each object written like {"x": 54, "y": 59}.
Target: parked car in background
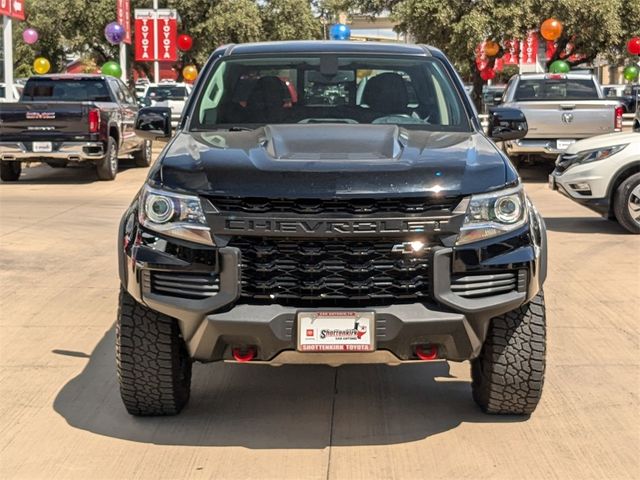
{"x": 71, "y": 119}
{"x": 492, "y": 96}
{"x": 140, "y": 88}
{"x": 560, "y": 109}
{"x": 16, "y": 90}
{"x": 168, "y": 94}
{"x": 622, "y": 94}
{"x": 603, "y": 174}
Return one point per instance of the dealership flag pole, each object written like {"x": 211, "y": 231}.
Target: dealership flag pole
{"x": 7, "y": 30}
{"x": 156, "y": 64}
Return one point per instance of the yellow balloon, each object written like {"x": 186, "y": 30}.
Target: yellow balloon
{"x": 190, "y": 73}
{"x": 41, "y": 65}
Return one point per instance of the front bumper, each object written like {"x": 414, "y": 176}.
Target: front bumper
{"x": 534, "y": 146}
{"x": 212, "y": 326}
{"x": 68, "y": 151}
{"x": 584, "y": 185}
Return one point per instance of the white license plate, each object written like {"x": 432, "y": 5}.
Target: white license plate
{"x": 42, "y": 147}
{"x": 336, "y": 331}
{"x": 564, "y": 144}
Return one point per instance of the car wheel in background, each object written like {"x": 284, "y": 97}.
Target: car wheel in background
{"x": 142, "y": 157}
{"x": 107, "y": 168}
{"x": 626, "y": 203}
{"x": 10, "y": 171}
{"x": 508, "y": 374}
{"x": 154, "y": 367}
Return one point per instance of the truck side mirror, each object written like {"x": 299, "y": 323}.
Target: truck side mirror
{"x": 507, "y": 124}
{"x": 153, "y": 123}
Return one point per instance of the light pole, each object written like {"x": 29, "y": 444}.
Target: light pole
{"x": 7, "y": 30}
{"x": 156, "y": 64}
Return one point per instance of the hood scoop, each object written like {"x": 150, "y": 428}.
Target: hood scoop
{"x": 334, "y": 142}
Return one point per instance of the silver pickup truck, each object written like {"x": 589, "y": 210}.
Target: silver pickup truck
{"x": 560, "y": 109}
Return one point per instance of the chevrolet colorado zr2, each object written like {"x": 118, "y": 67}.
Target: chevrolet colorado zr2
{"x": 332, "y": 203}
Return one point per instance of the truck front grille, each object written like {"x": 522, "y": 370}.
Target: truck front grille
{"x": 353, "y": 206}
{"x": 479, "y": 285}
{"x": 330, "y": 272}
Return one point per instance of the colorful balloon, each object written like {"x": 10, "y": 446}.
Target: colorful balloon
{"x": 559, "y": 66}
{"x": 631, "y": 73}
{"x": 185, "y": 42}
{"x": 339, "y": 31}
{"x": 551, "y": 29}
{"x": 488, "y": 74}
{"x": 30, "y": 36}
{"x": 41, "y": 65}
{"x": 114, "y": 33}
{"x": 112, "y": 68}
{"x": 633, "y": 46}
{"x": 190, "y": 73}
{"x": 491, "y": 48}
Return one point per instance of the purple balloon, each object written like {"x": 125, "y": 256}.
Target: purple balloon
{"x": 30, "y": 36}
{"x": 114, "y": 32}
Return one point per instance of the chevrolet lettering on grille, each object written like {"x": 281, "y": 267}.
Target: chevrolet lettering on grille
{"x": 332, "y": 227}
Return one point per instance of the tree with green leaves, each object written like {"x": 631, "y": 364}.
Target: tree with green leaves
{"x": 289, "y": 20}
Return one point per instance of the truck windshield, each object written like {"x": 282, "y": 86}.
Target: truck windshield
{"x": 63, "y": 90}
{"x": 412, "y": 92}
{"x": 531, "y": 90}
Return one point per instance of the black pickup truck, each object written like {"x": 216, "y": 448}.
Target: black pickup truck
{"x": 68, "y": 119}
{"x": 364, "y": 217}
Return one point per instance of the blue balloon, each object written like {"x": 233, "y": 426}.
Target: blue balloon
{"x": 339, "y": 31}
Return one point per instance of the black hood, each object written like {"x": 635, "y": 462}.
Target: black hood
{"x": 325, "y": 161}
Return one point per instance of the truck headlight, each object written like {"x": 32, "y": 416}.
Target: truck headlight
{"x": 174, "y": 214}
{"x": 492, "y": 214}
{"x": 587, "y": 156}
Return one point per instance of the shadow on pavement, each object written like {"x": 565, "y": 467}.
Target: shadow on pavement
{"x": 583, "y": 225}
{"x": 46, "y": 175}
{"x": 262, "y": 407}
{"x": 537, "y": 173}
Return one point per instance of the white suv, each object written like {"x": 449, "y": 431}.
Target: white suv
{"x": 168, "y": 94}
{"x": 603, "y": 173}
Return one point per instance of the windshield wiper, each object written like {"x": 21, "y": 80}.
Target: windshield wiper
{"x": 240, "y": 129}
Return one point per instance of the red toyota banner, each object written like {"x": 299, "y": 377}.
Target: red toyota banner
{"x": 511, "y": 52}
{"x": 12, "y": 8}
{"x": 123, "y": 9}
{"x": 529, "y": 49}
{"x": 144, "y": 28}
{"x": 167, "y": 36}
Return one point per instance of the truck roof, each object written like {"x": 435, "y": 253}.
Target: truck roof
{"x": 542, "y": 76}
{"x": 69, "y": 76}
{"x": 325, "y": 46}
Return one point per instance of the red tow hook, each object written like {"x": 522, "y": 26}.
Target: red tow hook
{"x": 244, "y": 354}
{"x": 427, "y": 352}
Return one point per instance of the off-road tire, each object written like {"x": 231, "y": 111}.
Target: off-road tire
{"x": 142, "y": 158}
{"x": 508, "y": 375}
{"x": 621, "y": 201}
{"x": 10, "y": 171}
{"x": 107, "y": 168}
{"x": 154, "y": 367}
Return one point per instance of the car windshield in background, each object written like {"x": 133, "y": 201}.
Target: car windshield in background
{"x": 167, "y": 93}
{"x": 556, "y": 89}
{"x": 416, "y": 93}
{"x": 67, "y": 90}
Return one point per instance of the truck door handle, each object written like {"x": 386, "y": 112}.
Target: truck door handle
{"x": 567, "y": 106}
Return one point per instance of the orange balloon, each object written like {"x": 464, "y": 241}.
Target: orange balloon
{"x": 551, "y": 29}
{"x": 491, "y": 48}
{"x": 190, "y": 73}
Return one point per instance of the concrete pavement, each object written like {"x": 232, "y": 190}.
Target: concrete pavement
{"x": 61, "y": 415}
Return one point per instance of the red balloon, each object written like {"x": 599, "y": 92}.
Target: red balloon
{"x": 633, "y": 46}
{"x": 482, "y": 64}
{"x": 488, "y": 74}
{"x": 185, "y": 42}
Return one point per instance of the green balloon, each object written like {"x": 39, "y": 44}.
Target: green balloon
{"x": 111, "y": 68}
{"x": 559, "y": 66}
{"x": 631, "y": 73}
